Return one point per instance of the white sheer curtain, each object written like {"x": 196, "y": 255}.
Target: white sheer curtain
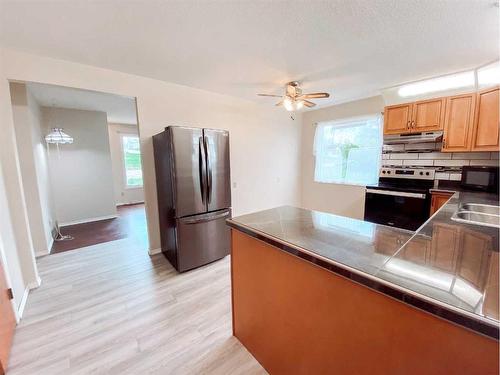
{"x": 349, "y": 150}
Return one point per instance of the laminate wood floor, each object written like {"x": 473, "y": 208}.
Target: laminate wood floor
{"x": 113, "y": 309}
{"x": 130, "y": 223}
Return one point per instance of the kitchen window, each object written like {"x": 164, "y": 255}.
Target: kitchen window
{"x": 348, "y": 151}
{"x": 132, "y": 161}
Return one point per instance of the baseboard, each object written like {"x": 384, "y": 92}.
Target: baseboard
{"x": 22, "y": 305}
{"x": 89, "y": 220}
{"x": 35, "y": 284}
{"x": 154, "y": 251}
{"x": 129, "y": 203}
{"x": 24, "y": 300}
{"x": 43, "y": 253}
{"x": 51, "y": 243}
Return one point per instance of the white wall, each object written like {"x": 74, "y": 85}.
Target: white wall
{"x": 33, "y": 163}
{"x": 265, "y": 142}
{"x": 81, "y": 172}
{"x": 39, "y": 131}
{"x": 16, "y": 245}
{"x": 340, "y": 199}
{"x": 123, "y": 195}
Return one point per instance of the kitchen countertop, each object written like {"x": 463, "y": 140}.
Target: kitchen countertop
{"x": 446, "y": 268}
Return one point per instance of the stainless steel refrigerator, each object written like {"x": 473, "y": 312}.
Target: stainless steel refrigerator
{"x": 194, "y": 194}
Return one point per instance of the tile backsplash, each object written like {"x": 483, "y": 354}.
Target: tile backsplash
{"x": 448, "y": 164}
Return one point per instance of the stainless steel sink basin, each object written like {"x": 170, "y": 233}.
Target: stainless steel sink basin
{"x": 480, "y": 208}
{"x": 477, "y": 218}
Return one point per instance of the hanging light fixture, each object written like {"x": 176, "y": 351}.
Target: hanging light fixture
{"x": 57, "y": 136}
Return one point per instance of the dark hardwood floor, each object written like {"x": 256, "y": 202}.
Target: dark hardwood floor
{"x": 130, "y": 223}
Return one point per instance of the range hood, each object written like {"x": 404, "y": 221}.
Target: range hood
{"x": 423, "y": 137}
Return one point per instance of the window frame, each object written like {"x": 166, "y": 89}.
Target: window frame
{"x": 124, "y": 166}
{"x": 347, "y": 122}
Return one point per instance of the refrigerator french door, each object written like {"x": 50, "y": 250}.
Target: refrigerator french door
{"x": 194, "y": 194}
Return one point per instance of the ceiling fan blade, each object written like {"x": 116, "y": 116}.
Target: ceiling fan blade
{"x": 274, "y": 96}
{"x": 309, "y": 104}
{"x": 315, "y": 95}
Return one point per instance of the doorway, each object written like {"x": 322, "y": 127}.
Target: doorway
{"x": 80, "y": 161}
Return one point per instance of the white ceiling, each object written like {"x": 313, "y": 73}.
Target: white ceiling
{"x": 119, "y": 109}
{"x": 351, "y": 48}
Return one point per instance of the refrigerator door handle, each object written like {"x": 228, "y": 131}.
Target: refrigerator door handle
{"x": 209, "y": 171}
{"x": 206, "y": 218}
{"x": 202, "y": 170}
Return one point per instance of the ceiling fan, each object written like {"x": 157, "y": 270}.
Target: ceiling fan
{"x": 293, "y": 99}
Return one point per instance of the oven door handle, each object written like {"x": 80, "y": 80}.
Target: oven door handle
{"x": 397, "y": 193}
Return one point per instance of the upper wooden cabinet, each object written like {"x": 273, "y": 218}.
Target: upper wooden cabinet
{"x": 458, "y": 123}
{"x": 470, "y": 122}
{"x": 397, "y": 119}
{"x": 421, "y": 116}
{"x": 486, "y": 125}
{"x": 427, "y": 115}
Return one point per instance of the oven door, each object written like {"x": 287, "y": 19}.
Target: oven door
{"x": 407, "y": 210}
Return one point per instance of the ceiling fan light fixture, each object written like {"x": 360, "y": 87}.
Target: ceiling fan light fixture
{"x": 288, "y": 104}
{"x": 295, "y": 100}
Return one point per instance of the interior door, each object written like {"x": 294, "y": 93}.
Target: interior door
{"x": 7, "y": 322}
{"x": 218, "y": 171}
{"x": 188, "y": 170}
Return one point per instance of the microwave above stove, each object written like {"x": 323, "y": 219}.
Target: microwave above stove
{"x": 480, "y": 178}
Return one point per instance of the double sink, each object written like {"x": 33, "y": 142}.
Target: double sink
{"x": 478, "y": 214}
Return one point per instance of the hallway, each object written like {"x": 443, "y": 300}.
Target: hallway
{"x": 130, "y": 224}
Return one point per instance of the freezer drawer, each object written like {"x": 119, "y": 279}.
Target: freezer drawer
{"x": 202, "y": 239}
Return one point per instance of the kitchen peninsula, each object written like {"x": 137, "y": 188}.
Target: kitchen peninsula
{"x": 319, "y": 293}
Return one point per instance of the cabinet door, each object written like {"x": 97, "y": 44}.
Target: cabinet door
{"x": 397, "y": 119}
{"x": 386, "y": 242}
{"x": 417, "y": 250}
{"x": 438, "y": 200}
{"x": 427, "y": 115}
{"x": 458, "y": 123}
{"x": 474, "y": 257}
{"x": 444, "y": 247}
{"x": 486, "y": 124}
{"x": 491, "y": 289}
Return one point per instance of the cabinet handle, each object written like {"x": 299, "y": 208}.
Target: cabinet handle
{"x": 444, "y": 143}
{"x": 413, "y": 124}
{"x": 408, "y": 125}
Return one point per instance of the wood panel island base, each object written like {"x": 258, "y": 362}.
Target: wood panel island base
{"x": 296, "y": 317}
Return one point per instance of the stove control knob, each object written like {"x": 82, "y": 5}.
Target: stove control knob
{"x": 383, "y": 172}
{"x": 427, "y": 173}
{"x": 388, "y": 172}
{"x": 421, "y": 173}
